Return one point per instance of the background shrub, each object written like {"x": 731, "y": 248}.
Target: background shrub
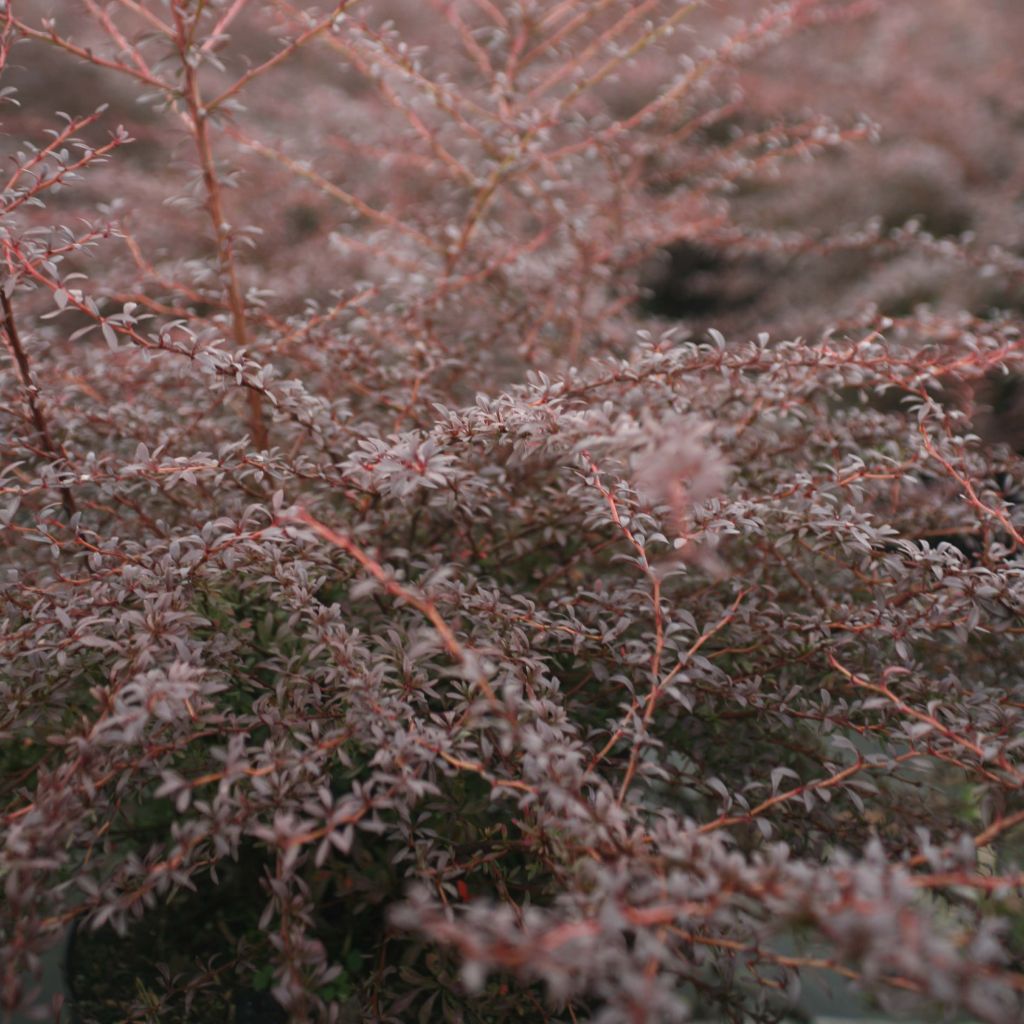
{"x": 421, "y": 542}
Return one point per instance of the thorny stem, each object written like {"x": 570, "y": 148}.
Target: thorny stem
{"x": 422, "y": 604}
{"x": 199, "y": 118}
{"x": 656, "y": 690}
{"x": 282, "y": 55}
{"x": 884, "y": 690}
{"x": 86, "y": 54}
{"x": 32, "y": 395}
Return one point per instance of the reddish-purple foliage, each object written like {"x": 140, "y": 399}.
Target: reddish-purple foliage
{"x": 381, "y": 500}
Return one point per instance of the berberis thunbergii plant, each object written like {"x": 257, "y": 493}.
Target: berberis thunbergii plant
{"x": 435, "y": 584}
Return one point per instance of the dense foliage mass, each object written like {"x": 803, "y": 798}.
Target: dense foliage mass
{"x": 512, "y": 507}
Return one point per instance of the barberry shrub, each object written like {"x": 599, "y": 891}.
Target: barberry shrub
{"x": 386, "y": 571}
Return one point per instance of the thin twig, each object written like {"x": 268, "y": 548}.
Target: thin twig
{"x": 32, "y": 395}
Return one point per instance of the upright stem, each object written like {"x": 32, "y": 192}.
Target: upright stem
{"x": 222, "y": 236}
{"x": 32, "y": 395}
